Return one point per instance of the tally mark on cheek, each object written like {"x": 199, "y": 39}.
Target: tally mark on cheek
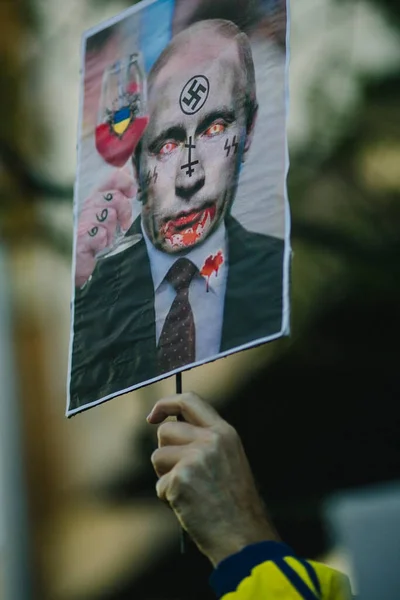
{"x": 150, "y": 177}
{"x": 229, "y": 146}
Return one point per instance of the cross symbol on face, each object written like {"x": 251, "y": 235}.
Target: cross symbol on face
{"x": 189, "y": 165}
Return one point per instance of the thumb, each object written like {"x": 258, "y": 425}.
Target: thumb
{"x": 127, "y": 169}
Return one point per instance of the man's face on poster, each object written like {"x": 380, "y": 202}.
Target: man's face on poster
{"x": 193, "y": 147}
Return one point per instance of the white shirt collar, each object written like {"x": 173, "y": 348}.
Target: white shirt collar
{"x": 161, "y": 262}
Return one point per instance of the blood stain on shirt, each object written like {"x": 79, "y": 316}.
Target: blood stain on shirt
{"x": 212, "y": 265}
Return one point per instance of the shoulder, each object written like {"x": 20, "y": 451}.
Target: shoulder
{"x": 271, "y": 569}
{"x": 242, "y": 241}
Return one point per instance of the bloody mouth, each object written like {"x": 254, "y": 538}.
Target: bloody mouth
{"x": 187, "y": 228}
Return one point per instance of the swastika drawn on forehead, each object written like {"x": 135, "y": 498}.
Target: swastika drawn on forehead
{"x": 194, "y": 94}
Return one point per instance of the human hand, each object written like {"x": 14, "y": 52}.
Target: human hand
{"x": 106, "y": 208}
{"x": 205, "y": 477}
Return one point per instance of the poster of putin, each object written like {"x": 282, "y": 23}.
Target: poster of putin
{"x": 181, "y": 218}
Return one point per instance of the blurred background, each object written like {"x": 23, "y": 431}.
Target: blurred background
{"x": 317, "y": 412}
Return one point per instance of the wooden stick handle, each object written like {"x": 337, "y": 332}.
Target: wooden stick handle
{"x": 180, "y": 418}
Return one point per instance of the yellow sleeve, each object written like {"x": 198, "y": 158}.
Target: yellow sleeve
{"x": 271, "y": 571}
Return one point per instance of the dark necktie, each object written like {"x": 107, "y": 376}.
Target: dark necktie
{"x": 177, "y": 343}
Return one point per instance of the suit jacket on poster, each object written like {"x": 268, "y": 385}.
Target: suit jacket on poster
{"x": 114, "y": 344}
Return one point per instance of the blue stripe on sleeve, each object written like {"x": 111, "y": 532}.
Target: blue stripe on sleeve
{"x": 296, "y": 581}
{"x": 312, "y": 575}
{"x": 231, "y": 571}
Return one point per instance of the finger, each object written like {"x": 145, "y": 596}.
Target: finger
{"x": 165, "y": 459}
{"x": 190, "y": 406}
{"x": 120, "y": 180}
{"x": 110, "y": 201}
{"x": 96, "y": 238}
{"x": 162, "y": 486}
{"x": 90, "y": 242}
{"x": 85, "y": 265}
{"x": 177, "y": 433}
{"x": 99, "y": 236}
{"x": 117, "y": 201}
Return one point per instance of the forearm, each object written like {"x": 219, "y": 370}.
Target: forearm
{"x": 205, "y": 477}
